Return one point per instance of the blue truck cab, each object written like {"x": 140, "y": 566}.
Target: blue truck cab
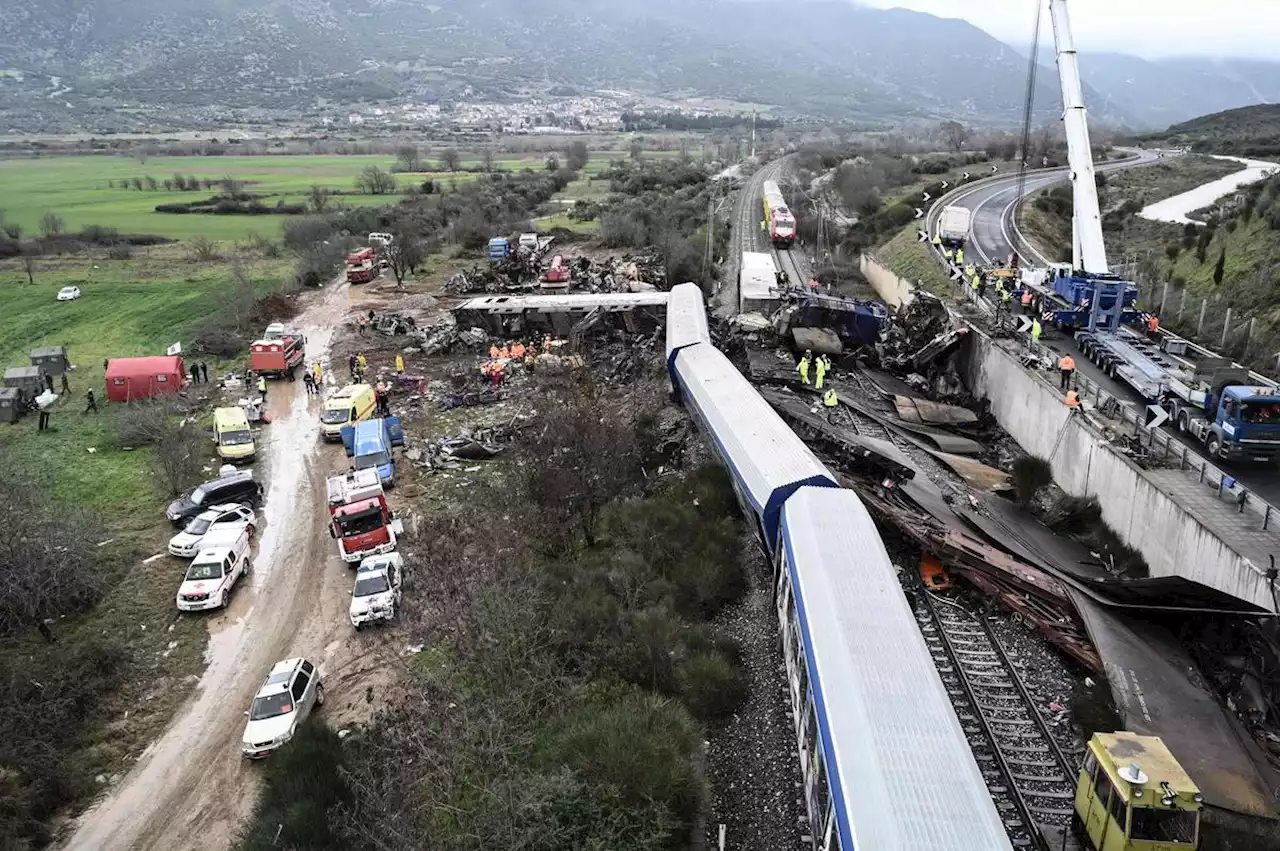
{"x": 369, "y": 444}
{"x": 499, "y": 248}
{"x": 1248, "y": 420}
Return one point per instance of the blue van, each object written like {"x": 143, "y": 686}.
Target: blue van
{"x": 369, "y": 444}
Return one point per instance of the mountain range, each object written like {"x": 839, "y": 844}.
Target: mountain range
{"x": 82, "y": 61}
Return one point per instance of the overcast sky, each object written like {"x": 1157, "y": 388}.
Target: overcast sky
{"x": 1150, "y": 28}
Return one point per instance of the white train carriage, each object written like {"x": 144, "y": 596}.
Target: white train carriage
{"x": 778, "y": 219}
{"x": 686, "y": 321}
{"x": 766, "y": 461}
{"x": 885, "y": 763}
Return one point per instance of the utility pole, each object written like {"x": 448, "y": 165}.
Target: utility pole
{"x": 753, "y": 134}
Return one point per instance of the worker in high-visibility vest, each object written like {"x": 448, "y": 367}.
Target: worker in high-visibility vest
{"x": 937, "y": 240}
{"x": 1153, "y": 326}
{"x": 803, "y": 366}
{"x": 1067, "y": 370}
{"x": 976, "y": 283}
{"x": 968, "y": 270}
{"x": 829, "y": 398}
{"x": 1072, "y": 400}
{"x": 1026, "y": 299}
{"x": 820, "y": 372}
{"x": 948, "y": 253}
{"x": 1035, "y": 330}
{"x": 959, "y": 256}
{"x": 399, "y": 363}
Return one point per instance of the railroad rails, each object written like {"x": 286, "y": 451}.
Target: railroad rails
{"x": 1031, "y": 779}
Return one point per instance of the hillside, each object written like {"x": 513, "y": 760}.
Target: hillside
{"x": 90, "y": 61}
{"x": 1248, "y": 131}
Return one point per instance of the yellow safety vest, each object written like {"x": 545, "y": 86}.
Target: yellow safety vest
{"x": 829, "y": 399}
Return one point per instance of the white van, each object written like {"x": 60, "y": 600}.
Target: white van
{"x": 222, "y": 560}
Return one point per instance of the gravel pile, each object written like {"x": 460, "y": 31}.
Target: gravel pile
{"x": 752, "y": 764}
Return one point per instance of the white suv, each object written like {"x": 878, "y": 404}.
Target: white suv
{"x": 188, "y": 542}
{"x": 215, "y": 570}
{"x": 376, "y": 593}
{"x": 284, "y": 700}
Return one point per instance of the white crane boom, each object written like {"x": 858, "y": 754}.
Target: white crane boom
{"x": 1089, "y": 253}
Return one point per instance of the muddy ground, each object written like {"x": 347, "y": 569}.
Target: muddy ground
{"x": 191, "y": 788}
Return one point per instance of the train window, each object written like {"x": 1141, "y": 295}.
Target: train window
{"x": 1119, "y": 811}
{"x": 830, "y": 839}
{"x": 1164, "y": 825}
{"x": 1090, "y": 765}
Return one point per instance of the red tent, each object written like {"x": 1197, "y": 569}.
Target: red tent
{"x": 142, "y": 378}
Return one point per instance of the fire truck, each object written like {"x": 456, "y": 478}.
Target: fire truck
{"x": 360, "y": 519}
{"x": 280, "y": 351}
{"x": 362, "y": 266}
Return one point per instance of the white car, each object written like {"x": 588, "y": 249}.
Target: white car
{"x": 212, "y": 575}
{"x": 68, "y": 294}
{"x": 186, "y": 543}
{"x": 284, "y": 700}
{"x": 376, "y": 593}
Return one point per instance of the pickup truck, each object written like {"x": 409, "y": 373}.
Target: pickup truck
{"x": 369, "y": 445}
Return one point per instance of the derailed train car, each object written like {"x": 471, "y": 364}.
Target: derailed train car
{"x": 885, "y": 764}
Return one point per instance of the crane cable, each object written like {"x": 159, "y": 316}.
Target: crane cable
{"x": 1027, "y": 109}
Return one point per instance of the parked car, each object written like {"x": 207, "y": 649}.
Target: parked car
{"x": 230, "y": 487}
{"x": 376, "y": 594}
{"x": 215, "y": 570}
{"x": 68, "y": 294}
{"x": 284, "y": 700}
{"x": 186, "y": 543}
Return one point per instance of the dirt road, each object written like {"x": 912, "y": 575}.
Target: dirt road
{"x": 191, "y": 789}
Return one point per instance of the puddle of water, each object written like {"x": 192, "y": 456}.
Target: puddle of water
{"x": 1174, "y": 210}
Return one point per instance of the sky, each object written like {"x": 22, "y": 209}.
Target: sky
{"x": 1148, "y": 28}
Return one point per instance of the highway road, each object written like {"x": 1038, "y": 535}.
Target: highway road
{"x": 993, "y": 237}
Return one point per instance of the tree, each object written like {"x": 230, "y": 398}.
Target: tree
{"x": 318, "y": 198}
{"x": 486, "y": 158}
{"x": 151, "y": 183}
{"x": 450, "y": 159}
{"x": 175, "y": 440}
{"x": 168, "y": 184}
{"x": 137, "y": 183}
{"x": 553, "y": 162}
{"x": 404, "y": 254}
{"x": 954, "y": 134}
{"x": 14, "y": 229}
{"x": 179, "y": 182}
{"x": 201, "y": 249}
{"x": 374, "y": 181}
{"x": 408, "y": 158}
{"x": 1220, "y": 266}
{"x": 577, "y": 155}
{"x": 52, "y": 225}
{"x": 636, "y": 148}
{"x": 1030, "y": 474}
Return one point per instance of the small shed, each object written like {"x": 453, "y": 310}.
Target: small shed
{"x": 52, "y": 359}
{"x": 11, "y": 404}
{"x": 28, "y": 379}
{"x": 143, "y": 378}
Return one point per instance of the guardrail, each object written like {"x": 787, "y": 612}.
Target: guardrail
{"x": 1162, "y": 449}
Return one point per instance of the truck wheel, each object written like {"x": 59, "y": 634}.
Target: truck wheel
{"x": 319, "y": 694}
{"x": 222, "y": 603}
{"x": 1215, "y": 447}
{"x": 1184, "y": 422}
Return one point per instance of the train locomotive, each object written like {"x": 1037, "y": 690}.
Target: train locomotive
{"x": 778, "y": 220}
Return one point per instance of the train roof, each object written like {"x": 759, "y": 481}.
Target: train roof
{"x": 766, "y": 459}
{"x": 686, "y": 320}
{"x": 906, "y": 779}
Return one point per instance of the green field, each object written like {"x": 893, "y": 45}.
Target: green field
{"x": 132, "y": 307}
{"x": 79, "y": 189}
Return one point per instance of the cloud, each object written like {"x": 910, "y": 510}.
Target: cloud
{"x": 1150, "y": 28}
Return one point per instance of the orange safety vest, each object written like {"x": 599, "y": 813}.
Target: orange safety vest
{"x": 1073, "y": 399}
{"x": 1067, "y": 364}
{"x": 1026, "y": 298}
{"x": 517, "y": 351}
{"x": 1154, "y": 323}
{"x": 493, "y": 351}
{"x": 504, "y": 353}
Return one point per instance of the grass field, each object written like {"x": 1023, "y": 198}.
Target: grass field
{"x": 78, "y": 190}
{"x": 132, "y": 307}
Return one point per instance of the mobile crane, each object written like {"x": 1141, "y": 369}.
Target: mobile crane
{"x": 1212, "y": 400}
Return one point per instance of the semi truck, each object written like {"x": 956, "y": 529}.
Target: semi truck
{"x": 362, "y": 266}
{"x": 1231, "y": 417}
{"x": 499, "y": 248}
{"x": 953, "y": 226}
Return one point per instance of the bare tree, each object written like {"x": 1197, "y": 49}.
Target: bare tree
{"x": 52, "y": 225}
{"x": 179, "y": 182}
{"x": 29, "y": 266}
{"x": 553, "y": 162}
{"x": 151, "y": 183}
{"x": 14, "y": 229}
{"x": 374, "y": 181}
{"x": 201, "y": 249}
{"x": 450, "y": 159}
{"x": 577, "y": 155}
{"x": 486, "y": 158}
{"x": 174, "y": 439}
{"x": 168, "y": 184}
{"x": 404, "y": 254}
{"x": 137, "y": 183}
{"x": 408, "y": 158}
{"x": 954, "y": 134}
{"x": 636, "y": 148}
{"x": 318, "y": 198}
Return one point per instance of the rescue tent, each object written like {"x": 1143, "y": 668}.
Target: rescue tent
{"x": 143, "y": 378}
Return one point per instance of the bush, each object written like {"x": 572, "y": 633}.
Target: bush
{"x": 712, "y": 683}
{"x": 302, "y": 784}
{"x": 1030, "y": 474}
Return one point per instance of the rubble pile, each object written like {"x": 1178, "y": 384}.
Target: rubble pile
{"x": 521, "y": 273}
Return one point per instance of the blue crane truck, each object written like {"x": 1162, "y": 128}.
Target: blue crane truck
{"x": 1234, "y": 419}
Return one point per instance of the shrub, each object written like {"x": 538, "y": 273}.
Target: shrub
{"x": 712, "y": 683}
{"x": 1030, "y": 474}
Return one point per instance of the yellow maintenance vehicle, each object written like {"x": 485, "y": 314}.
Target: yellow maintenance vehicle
{"x": 1132, "y": 795}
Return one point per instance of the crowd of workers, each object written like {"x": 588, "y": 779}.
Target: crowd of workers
{"x": 512, "y": 353}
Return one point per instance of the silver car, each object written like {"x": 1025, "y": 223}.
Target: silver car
{"x": 284, "y": 700}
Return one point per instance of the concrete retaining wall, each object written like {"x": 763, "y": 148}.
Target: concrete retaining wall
{"x": 894, "y": 291}
{"x": 1171, "y": 539}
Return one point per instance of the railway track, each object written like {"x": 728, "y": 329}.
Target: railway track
{"x": 1030, "y": 778}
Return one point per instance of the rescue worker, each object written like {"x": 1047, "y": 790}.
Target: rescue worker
{"x": 1035, "y": 330}
{"x": 803, "y": 366}
{"x": 1153, "y": 327}
{"x": 309, "y": 379}
{"x": 363, "y": 363}
{"x": 969, "y": 270}
{"x": 93, "y": 402}
{"x": 1026, "y": 300}
{"x": 399, "y": 363}
{"x": 1067, "y": 370}
{"x": 814, "y": 286}
{"x": 1006, "y": 301}
{"x": 517, "y": 351}
{"x": 495, "y": 375}
{"x": 262, "y": 386}
{"x": 959, "y": 256}
{"x": 976, "y": 285}
{"x": 352, "y": 366}
{"x": 949, "y": 254}
{"x": 1072, "y": 400}
{"x": 937, "y": 240}
{"x": 820, "y": 372}
{"x": 829, "y": 399}
{"x": 493, "y": 351}
{"x": 504, "y": 353}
